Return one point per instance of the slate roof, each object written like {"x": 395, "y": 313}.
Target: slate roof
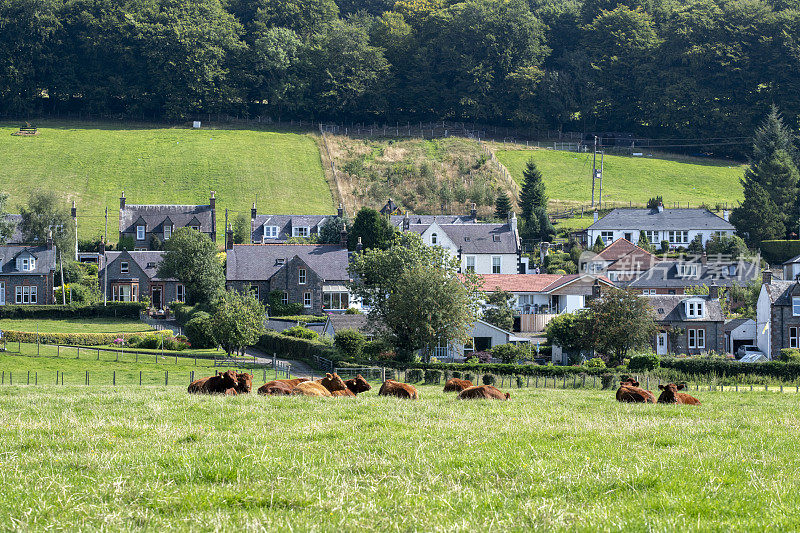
{"x": 16, "y": 234}
{"x": 655, "y": 220}
{"x": 734, "y": 323}
{"x": 668, "y": 308}
{"x": 427, "y": 220}
{"x": 482, "y": 238}
{"x": 664, "y": 274}
{"x": 285, "y": 224}
{"x": 155, "y": 215}
{"x": 45, "y": 259}
{"x": 780, "y": 291}
{"x": 275, "y": 323}
{"x": 795, "y": 259}
{"x": 143, "y": 259}
{"x": 259, "y": 262}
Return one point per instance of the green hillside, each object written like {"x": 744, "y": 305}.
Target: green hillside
{"x": 92, "y": 163}
{"x": 631, "y": 179}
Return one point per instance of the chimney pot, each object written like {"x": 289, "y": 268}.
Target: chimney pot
{"x": 766, "y": 277}
{"x": 726, "y": 215}
{"x": 122, "y": 201}
{"x": 340, "y": 211}
{"x": 596, "y": 216}
{"x": 229, "y": 238}
{"x": 253, "y": 212}
{"x": 213, "y": 200}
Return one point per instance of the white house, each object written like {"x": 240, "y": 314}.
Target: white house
{"x": 677, "y": 226}
{"x": 791, "y": 268}
{"x": 545, "y": 293}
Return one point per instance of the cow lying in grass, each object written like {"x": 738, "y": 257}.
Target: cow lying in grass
{"x": 630, "y": 392}
{"x": 670, "y": 394}
{"x": 357, "y": 385}
{"x": 278, "y": 386}
{"x": 330, "y": 385}
{"x": 457, "y": 385}
{"x": 483, "y": 392}
{"x": 225, "y": 383}
{"x": 400, "y": 390}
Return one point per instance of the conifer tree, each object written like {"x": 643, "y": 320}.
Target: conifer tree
{"x": 502, "y": 206}
{"x": 533, "y": 195}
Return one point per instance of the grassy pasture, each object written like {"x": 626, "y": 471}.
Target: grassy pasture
{"x": 155, "y": 457}
{"x": 92, "y": 163}
{"x": 631, "y": 179}
{"x": 75, "y": 325}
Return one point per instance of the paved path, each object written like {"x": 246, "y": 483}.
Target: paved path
{"x": 299, "y": 368}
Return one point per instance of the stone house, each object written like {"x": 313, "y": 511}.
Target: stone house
{"x": 267, "y": 229}
{"x": 128, "y": 276}
{"x": 314, "y": 275}
{"x": 675, "y": 276}
{"x": 777, "y": 315}
{"x": 148, "y": 224}
{"x": 689, "y": 324}
{"x": 27, "y": 274}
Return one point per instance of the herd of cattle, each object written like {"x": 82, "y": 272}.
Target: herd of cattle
{"x": 629, "y": 391}
{"x": 232, "y": 383}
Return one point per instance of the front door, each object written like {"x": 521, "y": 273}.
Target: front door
{"x": 661, "y": 343}
{"x": 155, "y": 297}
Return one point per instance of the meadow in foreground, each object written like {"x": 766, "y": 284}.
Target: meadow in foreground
{"x": 156, "y": 457}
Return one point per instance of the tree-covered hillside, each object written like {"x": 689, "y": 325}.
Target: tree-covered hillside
{"x": 680, "y": 70}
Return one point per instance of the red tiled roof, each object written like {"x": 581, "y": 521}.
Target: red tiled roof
{"x": 619, "y": 249}
{"x": 518, "y": 282}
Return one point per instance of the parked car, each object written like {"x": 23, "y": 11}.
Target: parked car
{"x": 746, "y": 350}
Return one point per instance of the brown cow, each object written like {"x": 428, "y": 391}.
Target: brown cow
{"x": 332, "y": 382}
{"x": 630, "y": 392}
{"x": 483, "y": 392}
{"x": 244, "y": 383}
{"x": 670, "y": 394}
{"x": 311, "y": 388}
{"x": 275, "y": 388}
{"x": 358, "y": 385}
{"x": 391, "y": 387}
{"x": 457, "y": 385}
{"x": 281, "y": 383}
{"x": 217, "y": 384}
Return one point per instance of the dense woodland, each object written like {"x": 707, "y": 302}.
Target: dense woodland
{"x": 694, "y": 69}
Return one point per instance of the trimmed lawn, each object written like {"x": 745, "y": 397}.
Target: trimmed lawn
{"x": 75, "y": 325}
{"x": 92, "y": 163}
{"x": 158, "y": 458}
{"x": 568, "y": 177}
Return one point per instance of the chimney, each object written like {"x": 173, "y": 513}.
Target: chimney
{"x": 704, "y": 259}
{"x": 766, "y": 277}
{"x": 596, "y": 289}
{"x": 513, "y": 221}
{"x": 713, "y": 291}
{"x": 406, "y": 222}
{"x": 343, "y": 236}
{"x": 726, "y": 215}
{"x": 213, "y": 201}
{"x": 595, "y": 215}
{"x": 253, "y": 212}
{"x": 50, "y": 239}
{"x": 359, "y": 245}
{"x": 474, "y": 213}
{"x": 122, "y": 201}
{"x": 229, "y": 238}
{"x": 102, "y": 248}
{"x": 74, "y": 211}
{"x": 543, "y": 247}
{"x": 660, "y": 207}
{"x": 340, "y": 211}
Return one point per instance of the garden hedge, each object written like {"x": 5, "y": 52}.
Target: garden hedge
{"x": 112, "y": 310}
{"x": 726, "y": 367}
{"x": 295, "y": 348}
{"x": 779, "y": 251}
{"x": 76, "y": 339}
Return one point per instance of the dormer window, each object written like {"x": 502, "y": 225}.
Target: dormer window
{"x": 270, "y": 232}
{"x": 466, "y": 239}
{"x": 196, "y": 228}
{"x": 139, "y": 233}
{"x": 26, "y": 264}
{"x": 167, "y": 231}
{"x": 687, "y": 270}
{"x": 280, "y": 261}
{"x": 434, "y": 238}
{"x": 695, "y": 309}
{"x": 151, "y": 264}
{"x": 302, "y": 231}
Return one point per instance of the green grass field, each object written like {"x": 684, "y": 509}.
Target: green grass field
{"x": 631, "y": 179}
{"x": 92, "y": 163}
{"x": 156, "y": 458}
{"x": 75, "y": 325}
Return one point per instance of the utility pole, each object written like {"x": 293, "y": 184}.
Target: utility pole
{"x": 600, "y": 200}
{"x": 594, "y": 167}
{"x": 105, "y": 264}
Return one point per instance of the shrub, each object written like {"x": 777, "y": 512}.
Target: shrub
{"x": 778, "y": 251}
{"x": 608, "y": 381}
{"x": 456, "y": 374}
{"x": 595, "y": 362}
{"x": 352, "y": 311}
{"x": 482, "y": 357}
{"x": 300, "y": 332}
{"x": 507, "y": 353}
{"x": 112, "y": 310}
{"x": 433, "y": 376}
{"x": 303, "y": 319}
{"x": 469, "y": 377}
{"x": 643, "y": 362}
{"x": 294, "y": 347}
{"x": 150, "y": 342}
{"x": 414, "y": 375}
{"x": 350, "y": 342}
{"x": 790, "y": 355}
{"x": 488, "y": 379}
{"x": 276, "y": 308}
{"x": 198, "y": 330}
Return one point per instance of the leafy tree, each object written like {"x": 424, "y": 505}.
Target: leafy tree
{"x": 696, "y": 246}
{"x": 45, "y": 212}
{"x": 727, "y": 246}
{"x": 416, "y": 294}
{"x": 533, "y": 195}
{"x": 7, "y": 227}
{"x": 498, "y": 310}
{"x": 502, "y": 206}
{"x": 571, "y": 331}
{"x": 621, "y": 321}
{"x": 373, "y": 228}
{"x": 507, "y": 353}
{"x": 241, "y": 229}
{"x": 653, "y": 203}
{"x": 238, "y": 320}
{"x": 331, "y": 231}
{"x": 191, "y": 258}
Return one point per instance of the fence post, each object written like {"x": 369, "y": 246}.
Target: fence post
{"x": 140, "y": 378}
{"x": 10, "y": 378}
{"x": 58, "y": 350}
{"x": 79, "y": 353}
{"x": 166, "y": 377}
{"x": 191, "y": 376}
{"x": 98, "y": 354}
{"x": 114, "y": 378}
{"x": 29, "y": 377}
{"x": 56, "y": 377}
{"x": 36, "y": 377}
{"x": 87, "y": 377}
{"x": 536, "y": 382}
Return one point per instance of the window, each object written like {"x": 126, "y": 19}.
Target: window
{"x": 18, "y": 295}
{"x": 652, "y": 236}
{"x": 694, "y": 309}
{"x": 795, "y": 306}
{"x": 470, "y": 263}
{"x": 687, "y": 270}
{"x": 139, "y": 233}
{"x": 196, "y": 228}
{"x": 2, "y": 293}
{"x": 26, "y": 295}
{"x": 151, "y": 264}
{"x": 466, "y": 239}
{"x": 167, "y": 232}
{"x": 302, "y": 231}
{"x": 270, "y": 232}
{"x": 125, "y": 293}
{"x": 607, "y": 236}
{"x": 697, "y": 338}
{"x": 650, "y": 292}
{"x": 123, "y": 267}
{"x": 678, "y": 237}
{"x": 794, "y": 337}
{"x": 495, "y": 238}
{"x": 434, "y": 238}
{"x": 285, "y": 298}
{"x": 280, "y": 261}
{"x": 254, "y": 290}
{"x": 495, "y": 264}
{"x": 301, "y": 276}
{"x": 336, "y": 300}
{"x": 306, "y": 299}
{"x": 26, "y": 264}
{"x": 180, "y": 293}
